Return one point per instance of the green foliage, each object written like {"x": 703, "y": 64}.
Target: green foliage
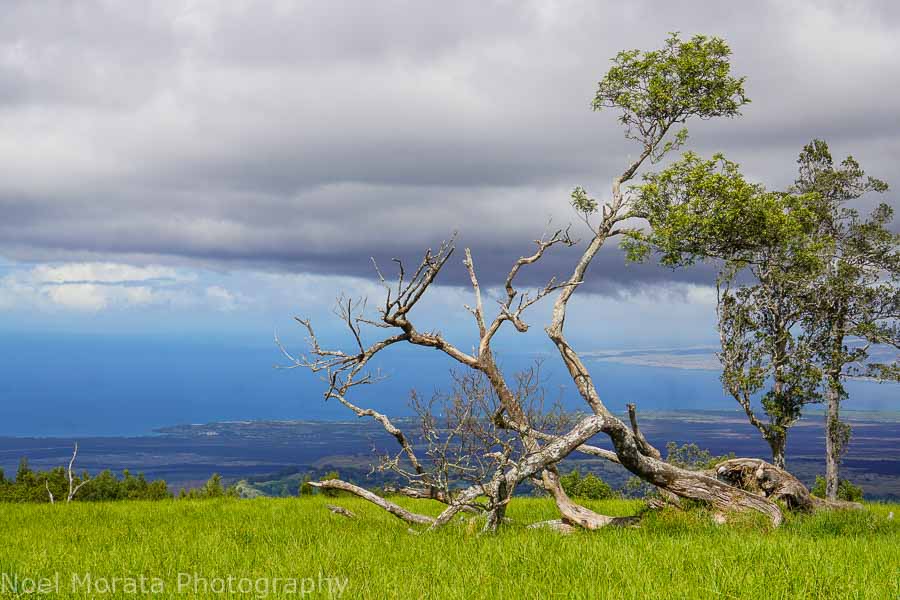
{"x": 31, "y": 486}
{"x": 594, "y": 488}
{"x": 211, "y": 490}
{"x": 305, "y": 488}
{"x": 582, "y": 202}
{"x": 700, "y": 209}
{"x": 692, "y": 457}
{"x": 570, "y": 481}
{"x": 846, "y": 490}
{"x": 656, "y": 89}
{"x": 590, "y": 486}
{"x": 106, "y": 486}
{"x": 24, "y": 474}
{"x": 213, "y": 487}
{"x": 856, "y": 294}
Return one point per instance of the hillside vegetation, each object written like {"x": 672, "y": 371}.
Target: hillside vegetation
{"x": 672, "y": 554}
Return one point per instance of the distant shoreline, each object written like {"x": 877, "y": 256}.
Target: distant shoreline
{"x": 179, "y": 429}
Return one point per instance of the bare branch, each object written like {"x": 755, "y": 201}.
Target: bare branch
{"x": 395, "y": 509}
{"x": 73, "y": 489}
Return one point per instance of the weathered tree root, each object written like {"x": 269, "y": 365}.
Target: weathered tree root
{"x": 765, "y": 479}
{"x": 759, "y": 477}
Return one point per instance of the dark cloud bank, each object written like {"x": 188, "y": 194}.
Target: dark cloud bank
{"x": 309, "y": 137}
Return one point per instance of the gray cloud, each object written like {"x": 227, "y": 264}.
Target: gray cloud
{"x": 310, "y": 136}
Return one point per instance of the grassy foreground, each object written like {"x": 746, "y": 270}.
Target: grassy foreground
{"x": 199, "y": 544}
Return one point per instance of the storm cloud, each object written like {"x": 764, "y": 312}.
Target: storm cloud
{"x": 306, "y": 137}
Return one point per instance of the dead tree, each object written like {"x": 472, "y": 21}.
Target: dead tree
{"x": 73, "y": 487}
{"x": 648, "y": 116}
{"x": 70, "y": 475}
{"x": 541, "y": 450}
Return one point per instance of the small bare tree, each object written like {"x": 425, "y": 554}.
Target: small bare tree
{"x": 70, "y": 475}
{"x": 73, "y": 487}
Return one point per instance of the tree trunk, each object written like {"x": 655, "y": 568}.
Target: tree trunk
{"x": 832, "y": 443}
{"x": 777, "y": 442}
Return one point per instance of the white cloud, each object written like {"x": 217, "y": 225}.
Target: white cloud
{"x": 79, "y": 296}
{"x": 223, "y": 299}
{"x": 104, "y": 272}
{"x": 97, "y": 286}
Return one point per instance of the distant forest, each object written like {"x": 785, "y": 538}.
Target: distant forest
{"x": 55, "y": 485}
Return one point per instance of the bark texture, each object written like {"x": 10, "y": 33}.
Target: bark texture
{"x": 759, "y": 477}
{"x": 832, "y": 444}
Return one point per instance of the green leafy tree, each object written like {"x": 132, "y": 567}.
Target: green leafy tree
{"x": 706, "y": 210}
{"x": 24, "y": 474}
{"x": 801, "y": 275}
{"x": 659, "y": 89}
{"x": 855, "y": 300}
{"x": 213, "y": 487}
{"x": 104, "y": 487}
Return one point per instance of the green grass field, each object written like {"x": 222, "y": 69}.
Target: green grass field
{"x": 671, "y": 555}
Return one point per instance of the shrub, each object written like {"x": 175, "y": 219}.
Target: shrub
{"x": 692, "y": 457}
{"x": 846, "y": 490}
{"x": 213, "y": 488}
{"x": 590, "y": 486}
{"x": 570, "y": 482}
{"x": 594, "y": 488}
{"x": 305, "y": 488}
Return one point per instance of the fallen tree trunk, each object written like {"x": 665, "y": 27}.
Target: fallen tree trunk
{"x": 395, "y": 509}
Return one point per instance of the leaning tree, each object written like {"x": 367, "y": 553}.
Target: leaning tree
{"x": 655, "y": 93}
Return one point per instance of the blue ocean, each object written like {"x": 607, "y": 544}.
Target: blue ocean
{"x": 79, "y": 385}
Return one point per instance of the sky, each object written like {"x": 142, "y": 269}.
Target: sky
{"x": 207, "y": 168}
